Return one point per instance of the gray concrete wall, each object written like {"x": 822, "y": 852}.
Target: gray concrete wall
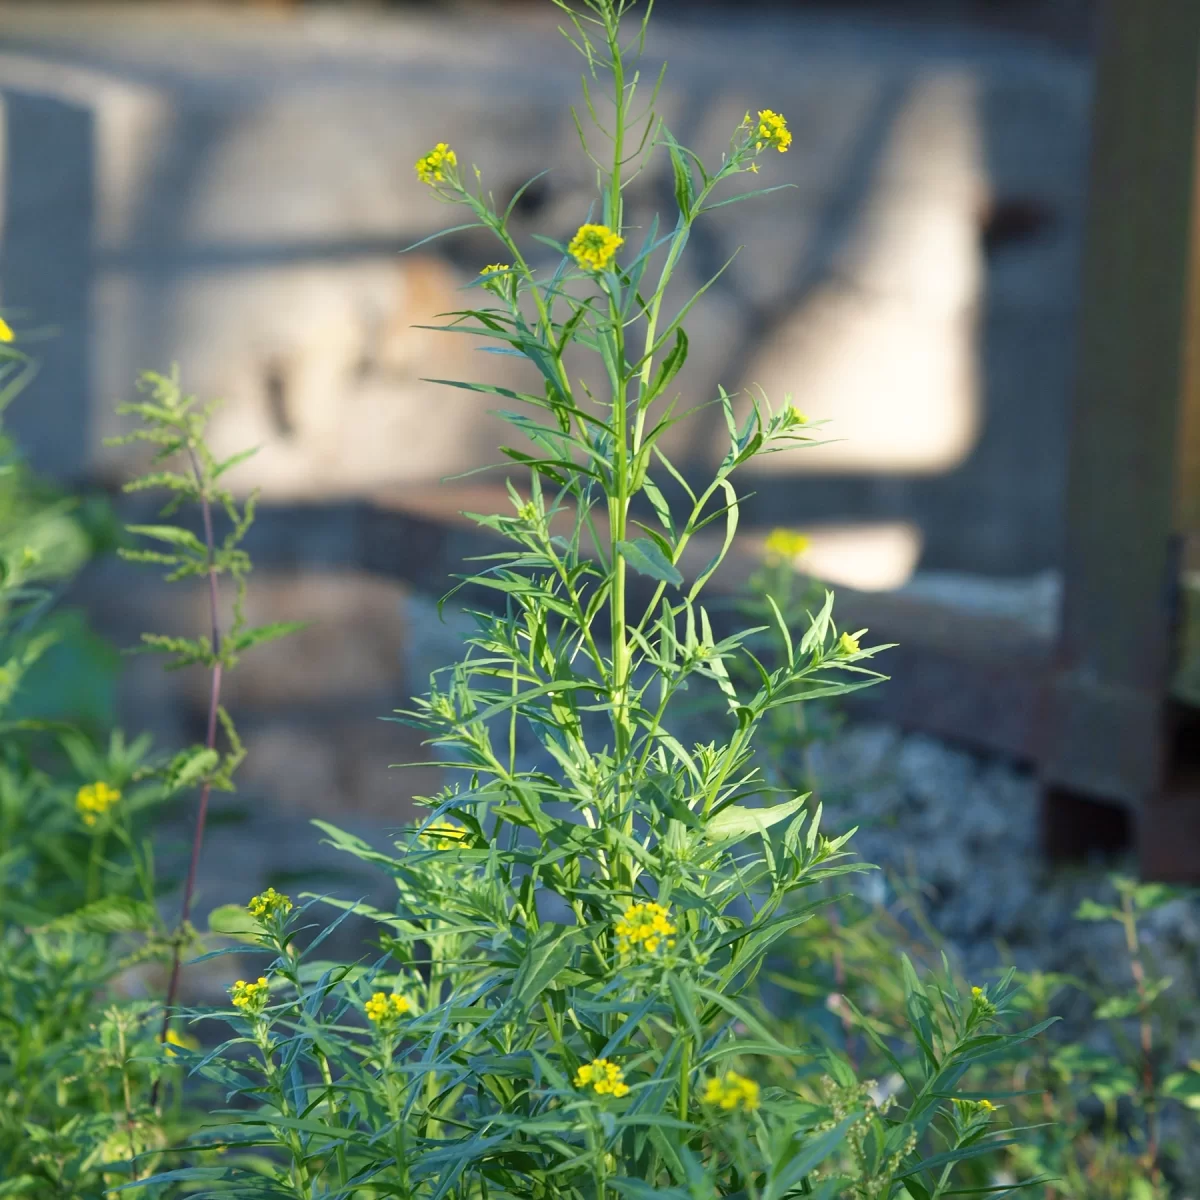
{"x": 229, "y": 190}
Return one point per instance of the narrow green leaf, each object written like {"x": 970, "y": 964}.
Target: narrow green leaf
{"x": 647, "y": 559}
{"x": 737, "y": 821}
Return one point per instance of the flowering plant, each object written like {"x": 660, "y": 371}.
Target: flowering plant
{"x": 565, "y": 1003}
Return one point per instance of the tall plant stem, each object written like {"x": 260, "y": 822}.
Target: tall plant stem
{"x": 214, "y": 703}
{"x": 619, "y": 498}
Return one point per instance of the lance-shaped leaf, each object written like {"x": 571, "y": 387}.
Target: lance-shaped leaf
{"x": 645, "y": 557}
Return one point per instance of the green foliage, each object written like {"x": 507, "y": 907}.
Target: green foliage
{"x": 174, "y": 423}
{"x": 77, "y": 892}
{"x": 565, "y": 1002}
{"x": 90, "y": 1097}
{"x": 567, "y": 997}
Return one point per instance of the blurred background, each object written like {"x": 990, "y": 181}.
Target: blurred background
{"x": 228, "y": 187}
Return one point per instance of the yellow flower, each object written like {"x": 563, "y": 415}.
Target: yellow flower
{"x": 797, "y": 417}
{"x": 730, "y": 1091}
{"x": 383, "y": 1009}
{"x": 644, "y": 927}
{"x": 448, "y": 835}
{"x": 772, "y": 131}
{"x": 6, "y": 333}
{"x": 94, "y": 800}
{"x": 594, "y": 245}
{"x": 848, "y": 644}
{"x": 267, "y": 904}
{"x": 603, "y": 1077}
{"x": 784, "y": 545}
{"x": 980, "y": 1002}
{"x": 183, "y": 1040}
{"x": 435, "y": 167}
{"x": 975, "y": 1112}
{"x": 250, "y": 997}
{"x": 496, "y": 278}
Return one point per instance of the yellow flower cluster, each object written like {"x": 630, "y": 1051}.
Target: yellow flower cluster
{"x": 731, "y": 1091}
{"x": 250, "y": 997}
{"x": 784, "y": 545}
{"x": 447, "y": 834}
{"x": 383, "y": 1009}
{"x": 848, "y": 644}
{"x": 603, "y": 1077}
{"x": 6, "y": 333}
{"x": 976, "y": 1112}
{"x": 435, "y": 166}
{"x": 772, "y": 130}
{"x": 496, "y": 277}
{"x": 644, "y": 927}
{"x": 594, "y": 246}
{"x": 269, "y": 903}
{"x": 94, "y": 800}
{"x": 980, "y": 1002}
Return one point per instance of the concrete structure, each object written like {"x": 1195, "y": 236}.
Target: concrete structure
{"x": 228, "y": 190}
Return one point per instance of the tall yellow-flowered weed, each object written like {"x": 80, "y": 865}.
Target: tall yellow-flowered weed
{"x": 580, "y": 927}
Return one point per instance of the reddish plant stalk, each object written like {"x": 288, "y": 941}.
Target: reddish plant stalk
{"x": 214, "y": 701}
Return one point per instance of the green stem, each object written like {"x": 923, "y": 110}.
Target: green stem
{"x": 685, "y": 1073}
{"x": 618, "y": 504}
{"x": 91, "y": 888}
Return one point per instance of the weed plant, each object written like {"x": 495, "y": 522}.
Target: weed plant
{"x": 565, "y": 998}
{"x": 565, "y": 1001}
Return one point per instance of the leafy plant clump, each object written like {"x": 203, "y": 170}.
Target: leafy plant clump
{"x": 565, "y": 1000}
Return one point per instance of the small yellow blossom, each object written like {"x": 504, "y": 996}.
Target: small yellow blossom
{"x": 594, "y": 245}
{"x": 980, "y": 1002}
{"x": 448, "y": 835}
{"x": 784, "y": 545}
{"x": 975, "y": 1112}
{"x": 797, "y": 417}
{"x": 603, "y": 1077}
{"x": 498, "y": 279}
{"x": 731, "y": 1091}
{"x": 772, "y": 131}
{"x": 848, "y": 644}
{"x": 94, "y": 800}
{"x": 268, "y": 904}
{"x": 382, "y": 1009}
{"x": 183, "y": 1040}
{"x": 6, "y": 333}
{"x": 250, "y": 997}
{"x": 753, "y": 168}
{"x": 435, "y": 166}
{"x": 644, "y": 927}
